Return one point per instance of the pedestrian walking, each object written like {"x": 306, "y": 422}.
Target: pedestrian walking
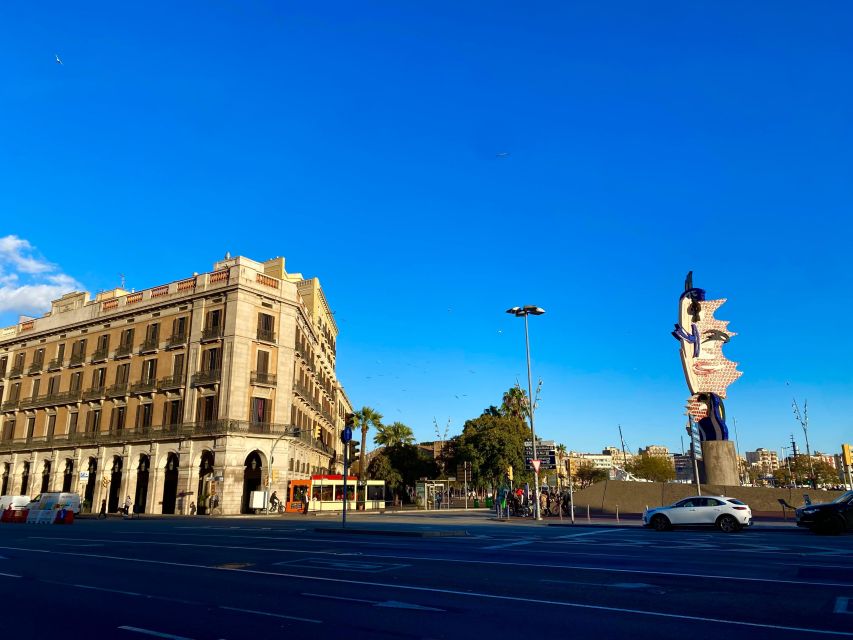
{"x": 103, "y": 512}
{"x": 192, "y": 508}
{"x": 127, "y": 503}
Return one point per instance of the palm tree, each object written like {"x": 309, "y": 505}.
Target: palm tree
{"x": 515, "y": 403}
{"x": 390, "y": 435}
{"x": 561, "y": 455}
{"x": 364, "y": 419}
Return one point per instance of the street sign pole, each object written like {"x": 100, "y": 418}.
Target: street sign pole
{"x": 346, "y": 437}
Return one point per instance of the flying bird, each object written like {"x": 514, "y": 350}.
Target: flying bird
{"x": 502, "y": 154}
{"x": 58, "y": 61}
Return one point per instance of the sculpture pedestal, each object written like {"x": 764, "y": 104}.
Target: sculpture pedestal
{"x": 719, "y": 463}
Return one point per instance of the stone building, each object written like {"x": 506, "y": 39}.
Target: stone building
{"x": 197, "y": 391}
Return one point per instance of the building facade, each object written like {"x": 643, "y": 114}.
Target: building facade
{"x": 766, "y": 460}
{"x": 197, "y": 391}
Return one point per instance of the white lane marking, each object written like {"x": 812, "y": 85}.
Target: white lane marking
{"x": 156, "y": 634}
{"x": 470, "y": 594}
{"x": 451, "y": 560}
{"x": 125, "y": 593}
{"x": 273, "y": 615}
{"x": 321, "y": 595}
{"x": 9, "y": 575}
{"x": 586, "y": 533}
{"x": 616, "y": 585}
{"x": 842, "y": 605}
{"x": 509, "y": 544}
{"x": 387, "y": 604}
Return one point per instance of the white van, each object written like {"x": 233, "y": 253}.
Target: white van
{"x": 17, "y": 503}
{"x": 51, "y": 501}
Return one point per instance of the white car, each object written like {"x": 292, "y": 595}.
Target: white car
{"x": 727, "y": 514}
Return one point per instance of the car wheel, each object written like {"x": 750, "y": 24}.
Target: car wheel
{"x": 661, "y": 523}
{"x": 727, "y": 524}
{"x": 831, "y": 526}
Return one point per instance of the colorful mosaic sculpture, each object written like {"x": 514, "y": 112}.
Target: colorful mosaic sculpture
{"x": 707, "y": 370}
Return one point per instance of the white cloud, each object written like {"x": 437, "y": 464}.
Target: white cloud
{"x": 28, "y": 282}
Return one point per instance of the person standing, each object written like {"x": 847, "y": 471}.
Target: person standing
{"x": 305, "y": 503}
{"x": 103, "y": 511}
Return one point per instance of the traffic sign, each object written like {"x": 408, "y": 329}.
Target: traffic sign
{"x": 346, "y": 434}
{"x": 536, "y": 464}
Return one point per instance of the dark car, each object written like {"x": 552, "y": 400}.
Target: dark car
{"x": 829, "y": 518}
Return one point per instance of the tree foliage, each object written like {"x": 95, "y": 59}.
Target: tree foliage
{"x": 585, "y": 474}
{"x": 380, "y": 468}
{"x": 492, "y": 444}
{"x": 825, "y": 473}
{"x": 365, "y": 418}
{"x": 390, "y": 435}
{"x": 654, "y": 468}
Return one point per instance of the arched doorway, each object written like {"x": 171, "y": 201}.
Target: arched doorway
{"x": 251, "y": 479}
{"x": 68, "y": 476}
{"x": 25, "y": 479}
{"x": 89, "y": 494}
{"x": 170, "y": 483}
{"x": 141, "y": 497}
{"x": 6, "y": 467}
{"x": 45, "y": 477}
{"x": 115, "y": 484}
{"x": 205, "y": 475}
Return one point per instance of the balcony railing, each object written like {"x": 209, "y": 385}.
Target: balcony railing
{"x": 94, "y": 393}
{"x": 77, "y": 359}
{"x": 206, "y": 377}
{"x": 263, "y": 378}
{"x": 14, "y": 372}
{"x": 35, "y": 367}
{"x": 171, "y": 382}
{"x": 144, "y": 386}
{"x": 9, "y": 405}
{"x": 149, "y": 346}
{"x": 167, "y": 432}
{"x": 51, "y": 399}
{"x": 118, "y": 389}
{"x": 302, "y": 390}
{"x": 211, "y": 333}
{"x": 123, "y": 350}
{"x": 54, "y": 364}
{"x": 265, "y": 335}
{"x": 176, "y": 340}
{"x": 100, "y": 354}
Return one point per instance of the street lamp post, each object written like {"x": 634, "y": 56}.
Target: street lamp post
{"x": 524, "y": 312}
{"x": 804, "y": 422}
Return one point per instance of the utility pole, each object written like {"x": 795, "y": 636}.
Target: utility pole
{"x": 737, "y": 453}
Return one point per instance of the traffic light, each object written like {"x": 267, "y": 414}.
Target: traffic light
{"x": 509, "y": 472}
{"x": 847, "y": 454}
{"x": 349, "y": 420}
{"x": 353, "y": 451}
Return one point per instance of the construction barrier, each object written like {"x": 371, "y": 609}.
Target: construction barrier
{"x": 14, "y": 516}
{"x": 64, "y": 516}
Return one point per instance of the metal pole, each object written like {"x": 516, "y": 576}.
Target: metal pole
{"x": 737, "y": 452}
{"x": 536, "y": 514}
{"x": 693, "y": 454}
{"x": 571, "y": 494}
{"x": 624, "y": 455}
{"x": 346, "y": 472}
{"x": 465, "y": 474}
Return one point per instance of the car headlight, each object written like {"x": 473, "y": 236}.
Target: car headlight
{"x": 810, "y": 510}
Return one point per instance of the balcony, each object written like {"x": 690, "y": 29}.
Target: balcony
{"x": 100, "y": 355}
{"x": 144, "y": 386}
{"x": 77, "y": 359}
{"x": 263, "y": 378}
{"x": 265, "y": 335}
{"x": 9, "y": 405}
{"x": 211, "y": 333}
{"x": 176, "y": 341}
{"x": 149, "y": 346}
{"x": 95, "y": 393}
{"x": 171, "y": 382}
{"x": 55, "y": 364}
{"x": 50, "y": 399}
{"x": 206, "y": 377}
{"x": 16, "y": 372}
{"x": 124, "y": 351}
{"x": 118, "y": 389}
{"x": 35, "y": 368}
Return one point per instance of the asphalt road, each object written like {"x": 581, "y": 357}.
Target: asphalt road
{"x": 301, "y": 577}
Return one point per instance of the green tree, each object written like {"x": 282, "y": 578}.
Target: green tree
{"x": 492, "y": 444}
{"x": 561, "y": 467}
{"x": 380, "y": 468}
{"x": 515, "y": 403}
{"x": 411, "y": 462}
{"x": 586, "y": 474}
{"x": 389, "y": 435}
{"x": 654, "y": 468}
{"x": 365, "y": 418}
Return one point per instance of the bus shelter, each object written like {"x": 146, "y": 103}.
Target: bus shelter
{"x": 432, "y": 494}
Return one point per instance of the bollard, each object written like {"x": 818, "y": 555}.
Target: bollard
{"x": 587, "y": 514}
{"x": 617, "y": 514}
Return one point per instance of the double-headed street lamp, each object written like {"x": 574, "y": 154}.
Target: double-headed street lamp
{"x": 524, "y": 312}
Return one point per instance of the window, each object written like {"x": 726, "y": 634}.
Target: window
{"x": 36, "y": 385}
{"x": 99, "y": 378}
{"x": 263, "y": 365}
{"x": 149, "y": 370}
{"x": 15, "y": 393}
{"x": 152, "y": 332}
{"x": 76, "y": 380}
{"x": 122, "y": 373}
{"x": 117, "y": 418}
{"x": 179, "y": 326}
{"x": 210, "y": 360}
{"x": 713, "y": 502}
{"x": 31, "y": 426}
{"x": 375, "y": 492}
{"x": 103, "y": 343}
{"x": 213, "y": 319}
{"x": 51, "y": 425}
{"x": 53, "y": 385}
{"x": 19, "y": 361}
{"x": 60, "y": 352}
{"x": 178, "y": 365}
{"x": 93, "y": 421}
{"x": 172, "y": 412}
{"x": 206, "y": 409}
{"x": 260, "y": 410}
{"x": 266, "y": 327}
{"x": 72, "y": 423}
{"x": 127, "y": 339}
{"x": 3, "y": 363}
{"x": 8, "y": 429}
{"x": 144, "y": 415}
{"x": 38, "y": 358}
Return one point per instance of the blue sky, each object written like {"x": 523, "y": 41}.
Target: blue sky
{"x": 360, "y": 141}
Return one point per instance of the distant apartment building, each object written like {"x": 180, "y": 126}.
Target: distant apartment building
{"x": 765, "y": 459}
{"x": 655, "y": 451}
{"x": 597, "y": 460}
{"x": 201, "y": 390}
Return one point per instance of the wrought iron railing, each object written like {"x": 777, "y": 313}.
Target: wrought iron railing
{"x": 265, "y": 335}
{"x": 171, "y": 382}
{"x": 176, "y": 340}
{"x": 263, "y": 378}
{"x": 144, "y": 386}
{"x": 206, "y": 377}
